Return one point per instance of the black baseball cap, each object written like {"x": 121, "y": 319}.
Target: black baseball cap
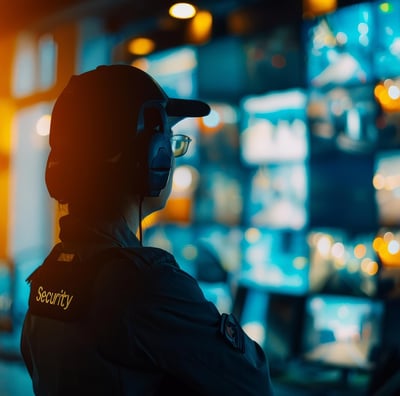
{"x": 97, "y": 112}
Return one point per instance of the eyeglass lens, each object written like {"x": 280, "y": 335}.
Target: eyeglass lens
{"x": 180, "y": 144}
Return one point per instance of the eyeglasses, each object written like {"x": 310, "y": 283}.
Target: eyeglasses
{"x": 180, "y": 144}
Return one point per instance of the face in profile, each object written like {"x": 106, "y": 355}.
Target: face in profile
{"x": 153, "y": 204}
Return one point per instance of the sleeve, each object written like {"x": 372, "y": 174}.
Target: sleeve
{"x": 185, "y": 335}
{"x": 24, "y": 347}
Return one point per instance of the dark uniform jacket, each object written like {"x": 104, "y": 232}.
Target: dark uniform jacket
{"x": 109, "y": 317}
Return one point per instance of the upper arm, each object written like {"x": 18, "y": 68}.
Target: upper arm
{"x": 182, "y": 333}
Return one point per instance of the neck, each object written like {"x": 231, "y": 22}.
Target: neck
{"x": 132, "y": 216}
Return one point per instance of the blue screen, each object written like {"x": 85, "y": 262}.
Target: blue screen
{"x": 276, "y": 196}
{"x": 387, "y": 188}
{"x": 343, "y": 138}
{"x": 342, "y": 331}
{"x": 276, "y": 261}
{"x": 274, "y": 128}
{"x": 343, "y": 263}
{"x": 339, "y": 47}
{"x": 387, "y": 51}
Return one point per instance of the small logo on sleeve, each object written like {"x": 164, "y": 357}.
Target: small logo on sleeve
{"x": 232, "y": 331}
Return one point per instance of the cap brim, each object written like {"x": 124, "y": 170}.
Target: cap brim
{"x": 178, "y": 109}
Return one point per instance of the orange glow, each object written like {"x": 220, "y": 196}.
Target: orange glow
{"x": 360, "y": 250}
{"x": 150, "y": 221}
{"x": 200, "y": 28}
{"x": 369, "y": 267}
{"x": 386, "y": 249}
{"x": 383, "y": 94}
{"x": 177, "y": 210}
{"x": 141, "y": 46}
{"x": 7, "y": 111}
{"x": 378, "y": 243}
{"x": 312, "y": 8}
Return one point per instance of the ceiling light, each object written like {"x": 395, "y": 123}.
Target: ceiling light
{"x": 182, "y": 11}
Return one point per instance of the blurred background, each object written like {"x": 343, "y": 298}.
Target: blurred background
{"x": 286, "y": 207}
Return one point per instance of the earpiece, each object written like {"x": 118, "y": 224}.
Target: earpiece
{"x": 153, "y": 130}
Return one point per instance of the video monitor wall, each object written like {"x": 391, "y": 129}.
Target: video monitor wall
{"x": 273, "y": 320}
{"x": 387, "y": 187}
{"x": 274, "y": 128}
{"x": 293, "y": 159}
{"x": 177, "y": 81}
{"x": 339, "y": 47}
{"x": 276, "y": 196}
{"x": 342, "y": 331}
{"x": 208, "y": 252}
{"x": 386, "y": 54}
{"x": 343, "y": 140}
{"x": 221, "y": 175}
{"x": 342, "y": 263}
{"x": 252, "y": 64}
{"x": 274, "y": 149}
{"x": 343, "y": 119}
{"x": 275, "y": 261}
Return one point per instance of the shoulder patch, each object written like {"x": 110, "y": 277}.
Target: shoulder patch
{"x": 61, "y": 287}
{"x": 232, "y": 332}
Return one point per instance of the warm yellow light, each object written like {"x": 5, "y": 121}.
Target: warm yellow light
{"x": 200, "y": 28}
{"x": 378, "y": 243}
{"x": 312, "y": 8}
{"x": 360, "y": 250}
{"x": 43, "y": 125}
{"x": 369, "y": 267}
{"x": 388, "y": 95}
{"x": 182, "y": 11}
{"x": 141, "y": 46}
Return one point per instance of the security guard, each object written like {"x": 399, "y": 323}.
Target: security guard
{"x": 106, "y": 315}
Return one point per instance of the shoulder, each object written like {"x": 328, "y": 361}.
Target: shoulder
{"x": 152, "y": 271}
{"x": 141, "y": 262}
{"x": 144, "y": 259}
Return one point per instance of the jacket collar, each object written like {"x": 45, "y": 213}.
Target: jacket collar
{"x": 88, "y": 236}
